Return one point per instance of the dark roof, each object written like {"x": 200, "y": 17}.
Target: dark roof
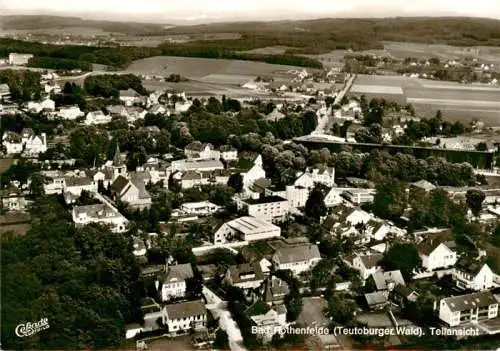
{"x": 119, "y": 184}
{"x": 470, "y": 301}
{"x": 178, "y": 272}
{"x": 198, "y": 146}
{"x": 371, "y": 260}
{"x": 225, "y": 148}
{"x": 276, "y": 289}
{"x": 265, "y": 200}
{"x": 432, "y": 242}
{"x": 129, "y": 93}
{"x": 375, "y": 298}
{"x": 185, "y": 309}
{"x": 78, "y": 181}
{"x": 297, "y": 253}
{"x": 242, "y": 272}
{"x": 117, "y": 158}
{"x": 469, "y": 266}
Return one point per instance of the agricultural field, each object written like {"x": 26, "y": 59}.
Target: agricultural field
{"x": 198, "y": 68}
{"x": 456, "y": 101}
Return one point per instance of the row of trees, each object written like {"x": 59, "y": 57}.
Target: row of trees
{"x": 23, "y": 85}
{"x": 109, "y": 85}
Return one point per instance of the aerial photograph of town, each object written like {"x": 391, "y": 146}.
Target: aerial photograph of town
{"x": 249, "y": 175}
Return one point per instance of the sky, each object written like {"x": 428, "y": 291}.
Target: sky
{"x": 226, "y": 10}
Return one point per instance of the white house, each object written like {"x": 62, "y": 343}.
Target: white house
{"x": 97, "y": 117}
{"x": 203, "y": 151}
{"x": 191, "y": 179}
{"x": 173, "y": 284}
{"x": 12, "y": 199}
{"x": 182, "y": 106}
{"x": 256, "y": 172}
{"x": 298, "y": 259}
{"x": 323, "y": 175}
{"x": 367, "y": 264}
{"x": 359, "y": 196}
{"x": 268, "y": 208}
{"x": 70, "y": 113}
{"x": 76, "y": 184}
{"x": 100, "y": 213}
{"x": 196, "y": 165}
{"x": 269, "y": 323}
{"x": 333, "y": 198}
{"x": 4, "y": 92}
{"x": 246, "y": 229}
{"x": 185, "y": 316}
{"x": 228, "y": 153}
{"x": 467, "y": 309}
{"x": 202, "y": 208}
{"x": 129, "y": 97}
{"x": 473, "y": 276}
{"x": 46, "y": 104}
{"x": 12, "y": 142}
{"x": 436, "y": 254}
{"x": 16, "y": 59}
{"x": 33, "y": 144}
{"x": 357, "y": 217}
{"x": 245, "y": 276}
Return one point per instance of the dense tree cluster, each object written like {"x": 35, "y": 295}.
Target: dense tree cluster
{"x": 83, "y": 281}
{"x": 109, "y": 85}
{"x": 24, "y": 85}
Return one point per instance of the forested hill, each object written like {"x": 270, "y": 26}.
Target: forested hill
{"x": 301, "y": 37}
{"x": 357, "y": 33}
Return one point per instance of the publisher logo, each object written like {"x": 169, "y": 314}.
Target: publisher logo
{"x": 28, "y": 329}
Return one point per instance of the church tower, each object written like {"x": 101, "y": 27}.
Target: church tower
{"x": 119, "y": 167}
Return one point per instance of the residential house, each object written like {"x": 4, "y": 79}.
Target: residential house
{"x": 402, "y": 294}
{"x": 69, "y": 113}
{"x": 12, "y": 199}
{"x": 33, "y": 144}
{"x": 4, "y": 92}
{"x": 268, "y": 208}
{"x": 140, "y": 248}
{"x": 268, "y": 320}
{"x": 367, "y": 264}
{"x": 377, "y": 300}
{"x": 387, "y": 281}
{"x": 201, "y": 151}
{"x": 132, "y": 192}
{"x": 246, "y": 229}
{"x": 378, "y": 230}
{"x": 12, "y": 142}
{"x": 228, "y": 153}
{"x": 196, "y": 165}
{"x": 54, "y": 183}
{"x": 173, "y": 283}
{"x": 275, "y": 290}
{"x": 16, "y": 59}
{"x": 202, "y": 208}
{"x": 359, "y": 196}
{"x": 191, "y": 179}
{"x": 182, "y": 106}
{"x": 129, "y": 97}
{"x": 245, "y": 276}
{"x": 254, "y": 173}
{"x": 333, "y": 198}
{"x": 97, "y": 117}
{"x": 467, "y": 309}
{"x": 423, "y": 185}
{"x": 298, "y": 259}
{"x": 102, "y": 214}
{"x": 356, "y": 217}
{"x": 74, "y": 185}
{"x": 437, "y": 254}
{"x": 473, "y": 276}
{"x": 158, "y": 109}
{"x": 323, "y": 175}
{"x": 185, "y": 316}
{"x": 45, "y": 105}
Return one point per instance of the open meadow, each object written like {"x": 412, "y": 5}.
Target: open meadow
{"x": 456, "y": 101}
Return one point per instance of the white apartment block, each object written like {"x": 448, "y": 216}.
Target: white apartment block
{"x": 185, "y": 316}
{"x": 269, "y": 208}
{"x": 467, "y": 309}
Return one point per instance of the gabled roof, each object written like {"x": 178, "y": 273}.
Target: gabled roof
{"x": 129, "y": 93}
{"x": 470, "y": 301}
{"x": 185, "y": 309}
{"x": 297, "y": 253}
{"x": 4, "y": 89}
{"x": 382, "y": 279}
{"x": 424, "y": 184}
{"x": 375, "y": 298}
{"x": 198, "y": 146}
{"x": 178, "y": 272}
{"x": 276, "y": 289}
{"x": 469, "y": 266}
{"x": 245, "y": 272}
{"x": 370, "y": 261}
{"x": 427, "y": 246}
{"x": 120, "y": 184}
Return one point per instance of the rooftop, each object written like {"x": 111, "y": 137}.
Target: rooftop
{"x": 265, "y": 200}
{"x": 297, "y": 253}
{"x": 185, "y": 309}
{"x": 245, "y": 272}
{"x": 251, "y": 225}
{"x": 470, "y": 301}
{"x": 178, "y": 272}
